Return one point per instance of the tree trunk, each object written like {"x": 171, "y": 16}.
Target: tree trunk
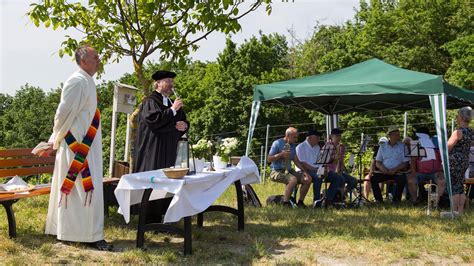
{"x": 138, "y": 65}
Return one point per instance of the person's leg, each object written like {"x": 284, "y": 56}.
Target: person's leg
{"x": 456, "y": 200}
{"x": 374, "y": 181}
{"x": 305, "y": 184}
{"x": 462, "y": 200}
{"x": 317, "y": 182}
{"x": 292, "y": 181}
{"x": 413, "y": 187}
{"x": 287, "y": 179}
{"x": 350, "y": 181}
{"x": 336, "y": 183}
{"x": 441, "y": 182}
{"x": 367, "y": 187}
{"x": 401, "y": 181}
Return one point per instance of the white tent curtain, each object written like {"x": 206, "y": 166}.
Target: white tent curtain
{"x": 332, "y": 121}
{"x": 253, "y": 121}
{"x": 438, "y": 107}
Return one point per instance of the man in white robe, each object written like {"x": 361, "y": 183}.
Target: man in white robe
{"x": 76, "y": 217}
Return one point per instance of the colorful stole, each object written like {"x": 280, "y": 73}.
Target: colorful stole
{"x": 80, "y": 164}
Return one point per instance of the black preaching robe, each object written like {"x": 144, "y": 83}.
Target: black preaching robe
{"x": 157, "y": 138}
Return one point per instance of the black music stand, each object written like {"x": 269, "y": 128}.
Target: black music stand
{"x": 325, "y": 158}
{"x": 362, "y": 150}
{"x": 415, "y": 149}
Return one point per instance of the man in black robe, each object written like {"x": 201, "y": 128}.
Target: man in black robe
{"x": 161, "y": 123}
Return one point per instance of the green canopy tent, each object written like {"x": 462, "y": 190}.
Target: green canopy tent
{"x": 372, "y": 85}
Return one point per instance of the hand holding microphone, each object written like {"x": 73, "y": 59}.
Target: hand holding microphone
{"x": 177, "y": 103}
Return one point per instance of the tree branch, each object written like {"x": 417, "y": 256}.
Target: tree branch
{"x": 253, "y": 8}
{"x": 177, "y": 21}
{"x": 139, "y": 31}
{"x": 124, "y": 26}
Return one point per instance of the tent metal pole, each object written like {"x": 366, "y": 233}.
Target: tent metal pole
{"x": 112, "y": 143}
{"x": 261, "y": 161}
{"x": 127, "y": 139}
{"x": 405, "y": 125}
{"x": 266, "y": 152}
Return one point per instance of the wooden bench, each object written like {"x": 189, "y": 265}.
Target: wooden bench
{"x": 22, "y": 163}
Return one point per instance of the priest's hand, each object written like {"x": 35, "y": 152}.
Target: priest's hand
{"x": 47, "y": 152}
{"x": 177, "y": 104}
{"x": 181, "y": 126}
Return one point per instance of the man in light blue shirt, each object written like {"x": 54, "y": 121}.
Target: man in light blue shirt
{"x": 391, "y": 162}
{"x": 282, "y": 172}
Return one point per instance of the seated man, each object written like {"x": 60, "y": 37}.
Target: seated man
{"x": 281, "y": 154}
{"x": 336, "y": 167}
{"x": 425, "y": 170}
{"x": 372, "y": 169}
{"x": 308, "y": 153}
{"x": 391, "y": 161}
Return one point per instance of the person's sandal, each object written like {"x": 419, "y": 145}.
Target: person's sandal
{"x": 102, "y": 245}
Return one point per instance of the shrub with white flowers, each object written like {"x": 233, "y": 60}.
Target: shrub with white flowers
{"x": 202, "y": 149}
{"x": 225, "y": 147}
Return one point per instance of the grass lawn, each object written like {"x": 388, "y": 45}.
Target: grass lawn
{"x": 370, "y": 234}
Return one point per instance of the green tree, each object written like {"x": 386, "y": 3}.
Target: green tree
{"x": 218, "y": 95}
{"x": 29, "y": 117}
{"x": 5, "y": 102}
{"x": 139, "y": 28}
{"x": 428, "y": 36}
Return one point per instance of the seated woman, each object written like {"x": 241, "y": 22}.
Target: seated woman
{"x": 423, "y": 170}
{"x": 336, "y": 167}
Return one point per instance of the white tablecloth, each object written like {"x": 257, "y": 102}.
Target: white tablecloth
{"x": 192, "y": 194}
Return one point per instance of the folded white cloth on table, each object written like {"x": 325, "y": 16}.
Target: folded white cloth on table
{"x": 192, "y": 194}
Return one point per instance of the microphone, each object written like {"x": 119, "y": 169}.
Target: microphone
{"x": 174, "y": 92}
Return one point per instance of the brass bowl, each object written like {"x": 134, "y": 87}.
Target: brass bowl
{"x": 175, "y": 173}
{"x": 234, "y": 160}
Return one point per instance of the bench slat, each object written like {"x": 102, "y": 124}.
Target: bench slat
{"x": 26, "y": 161}
{"x": 36, "y": 192}
{"x": 26, "y": 171}
{"x": 16, "y": 152}
{"x": 43, "y": 191}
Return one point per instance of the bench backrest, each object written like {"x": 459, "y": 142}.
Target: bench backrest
{"x": 22, "y": 162}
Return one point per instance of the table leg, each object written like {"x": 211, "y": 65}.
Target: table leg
{"x": 187, "y": 236}
{"x": 142, "y": 218}
{"x": 143, "y": 226}
{"x": 200, "y": 219}
{"x": 239, "y": 212}
{"x": 240, "y": 205}
{"x": 11, "y": 217}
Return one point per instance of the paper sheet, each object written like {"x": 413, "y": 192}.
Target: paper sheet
{"x": 430, "y": 155}
{"x": 425, "y": 140}
{"x": 15, "y": 183}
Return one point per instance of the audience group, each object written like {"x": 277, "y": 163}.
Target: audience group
{"x": 394, "y": 164}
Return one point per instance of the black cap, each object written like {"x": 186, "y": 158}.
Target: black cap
{"x": 162, "y": 74}
{"x": 314, "y": 132}
{"x": 336, "y": 131}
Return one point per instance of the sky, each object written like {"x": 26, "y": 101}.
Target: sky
{"x": 29, "y": 54}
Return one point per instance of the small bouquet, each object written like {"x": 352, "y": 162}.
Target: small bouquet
{"x": 225, "y": 147}
{"x": 202, "y": 149}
